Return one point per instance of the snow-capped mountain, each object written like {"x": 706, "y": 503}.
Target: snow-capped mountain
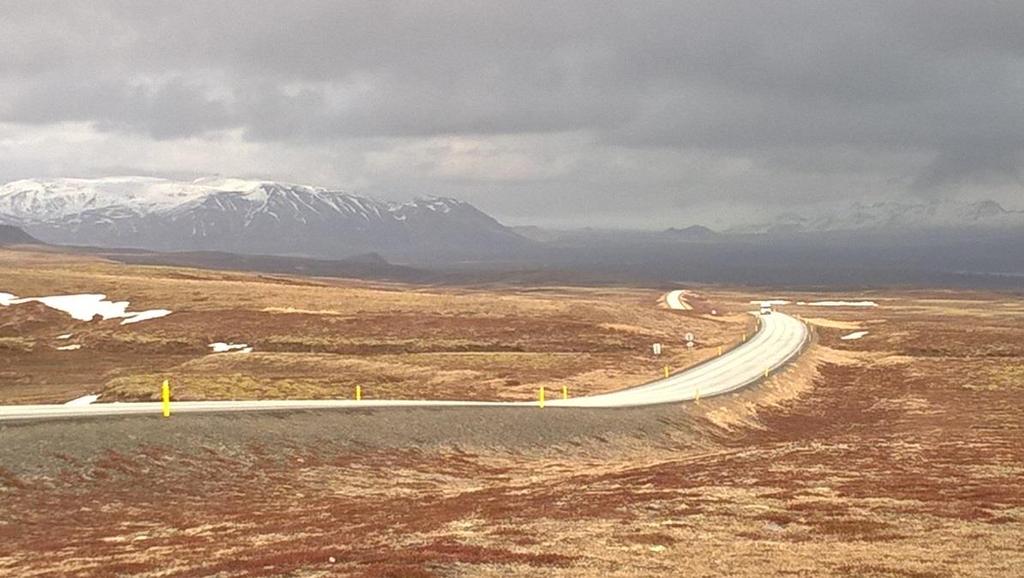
{"x": 245, "y": 216}
{"x": 32, "y": 200}
{"x": 897, "y": 216}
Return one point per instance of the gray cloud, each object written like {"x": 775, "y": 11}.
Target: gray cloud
{"x": 982, "y": 167}
{"x": 174, "y": 107}
{"x": 772, "y": 101}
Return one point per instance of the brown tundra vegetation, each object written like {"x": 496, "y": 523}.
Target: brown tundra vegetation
{"x": 898, "y": 453}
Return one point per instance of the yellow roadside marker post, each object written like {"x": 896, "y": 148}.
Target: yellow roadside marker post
{"x": 359, "y": 393}
{"x": 666, "y": 372}
{"x": 719, "y": 350}
{"x": 165, "y": 394}
{"x": 766, "y": 373}
{"x": 696, "y": 398}
{"x": 565, "y": 392}
{"x": 541, "y": 398}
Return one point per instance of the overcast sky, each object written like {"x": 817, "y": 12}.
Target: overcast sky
{"x": 575, "y": 112}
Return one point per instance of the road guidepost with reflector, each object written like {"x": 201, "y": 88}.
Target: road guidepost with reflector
{"x": 540, "y": 398}
{"x": 666, "y": 372}
{"x": 359, "y": 393}
{"x": 565, "y": 392}
{"x": 165, "y": 395}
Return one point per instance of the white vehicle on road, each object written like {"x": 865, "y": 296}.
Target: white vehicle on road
{"x": 766, "y": 308}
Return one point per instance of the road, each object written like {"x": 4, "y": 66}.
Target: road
{"x": 675, "y": 300}
{"x": 779, "y": 339}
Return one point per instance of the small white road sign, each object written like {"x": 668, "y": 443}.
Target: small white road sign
{"x": 657, "y": 348}
{"x": 689, "y": 337}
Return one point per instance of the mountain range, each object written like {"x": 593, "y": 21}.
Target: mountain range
{"x": 256, "y": 217}
{"x": 248, "y": 217}
{"x": 894, "y": 216}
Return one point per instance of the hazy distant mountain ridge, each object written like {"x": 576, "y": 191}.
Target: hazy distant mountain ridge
{"x": 11, "y": 235}
{"x": 255, "y": 217}
{"x": 896, "y": 215}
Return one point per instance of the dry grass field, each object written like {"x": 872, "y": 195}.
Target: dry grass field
{"x": 897, "y": 454}
{"x": 319, "y": 338}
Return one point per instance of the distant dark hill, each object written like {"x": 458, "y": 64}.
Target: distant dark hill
{"x": 373, "y": 259}
{"x": 366, "y": 266}
{"x": 691, "y": 233}
{"x": 11, "y": 235}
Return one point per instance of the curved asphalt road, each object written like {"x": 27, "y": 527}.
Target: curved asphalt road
{"x": 675, "y": 300}
{"x": 779, "y": 339}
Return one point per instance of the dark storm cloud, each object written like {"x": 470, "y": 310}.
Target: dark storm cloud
{"x": 943, "y": 79}
{"x": 175, "y": 107}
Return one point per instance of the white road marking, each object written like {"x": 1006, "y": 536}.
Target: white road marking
{"x": 840, "y": 304}
{"x": 84, "y": 400}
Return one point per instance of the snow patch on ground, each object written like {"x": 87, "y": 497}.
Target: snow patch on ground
{"x": 771, "y": 302}
{"x": 841, "y": 304}
{"x": 221, "y": 347}
{"x": 74, "y": 347}
{"x": 146, "y": 315}
{"x": 86, "y": 307}
{"x": 82, "y": 307}
{"x": 84, "y": 400}
{"x": 854, "y": 335}
{"x": 65, "y": 336}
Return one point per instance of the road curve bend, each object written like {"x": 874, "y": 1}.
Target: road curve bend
{"x": 674, "y": 300}
{"x": 779, "y": 339}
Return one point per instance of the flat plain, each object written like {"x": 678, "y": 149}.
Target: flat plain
{"x": 896, "y": 453}
{"x": 320, "y": 337}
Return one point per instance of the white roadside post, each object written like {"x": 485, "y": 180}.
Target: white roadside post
{"x": 656, "y": 348}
